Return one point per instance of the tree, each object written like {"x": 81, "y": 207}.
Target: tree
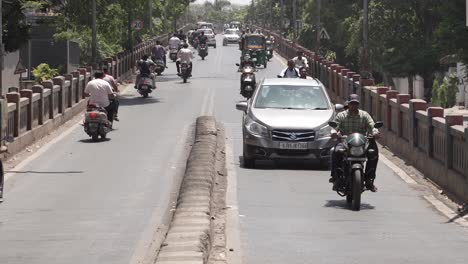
{"x": 15, "y": 29}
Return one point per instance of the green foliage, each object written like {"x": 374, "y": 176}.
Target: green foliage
{"x": 444, "y": 92}
{"x": 44, "y": 72}
{"x": 15, "y": 28}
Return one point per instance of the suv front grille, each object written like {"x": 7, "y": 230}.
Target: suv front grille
{"x": 293, "y": 135}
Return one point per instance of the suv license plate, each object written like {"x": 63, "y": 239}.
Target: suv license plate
{"x": 295, "y": 145}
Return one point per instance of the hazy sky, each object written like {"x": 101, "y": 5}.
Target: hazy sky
{"x": 243, "y": 2}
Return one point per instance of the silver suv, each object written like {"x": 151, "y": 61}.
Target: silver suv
{"x": 287, "y": 119}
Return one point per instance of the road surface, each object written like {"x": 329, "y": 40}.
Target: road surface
{"x": 81, "y": 202}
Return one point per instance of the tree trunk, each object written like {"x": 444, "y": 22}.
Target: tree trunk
{"x": 428, "y": 81}
{"x": 410, "y": 86}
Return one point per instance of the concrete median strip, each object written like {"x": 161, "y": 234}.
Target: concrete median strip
{"x": 190, "y": 234}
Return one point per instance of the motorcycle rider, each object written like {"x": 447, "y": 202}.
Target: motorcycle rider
{"x": 291, "y": 71}
{"x": 303, "y": 73}
{"x": 185, "y": 54}
{"x": 174, "y": 42}
{"x": 110, "y": 79}
{"x": 246, "y": 62}
{"x": 159, "y": 52}
{"x": 351, "y": 121}
{"x": 144, "y": 66}
{"x": 182, "y": 36}
{"x": 202, "y": 39}
{"x": 100, "y": 94}
{"x": 300, "y": 61}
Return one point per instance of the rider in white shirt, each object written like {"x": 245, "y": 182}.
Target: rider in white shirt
{"x": 174, "y": 42}
{"x": 300, "y": 61}
{"x": 291, "y": 71}
{"x": 184, "y": 55}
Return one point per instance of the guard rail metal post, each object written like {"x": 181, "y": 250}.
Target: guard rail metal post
{"x": 431, "y": 113}
{"x": 466, "y": 149}
{"x": 69, "y": 98}
{"x": 28, "y": 94}
{"x": 49, "y": 85}
{"x": 414, "y": 106}
{"x": 450, "y": 120}
{"x": 84, "y": 82}
{"x": 380, "y": 91}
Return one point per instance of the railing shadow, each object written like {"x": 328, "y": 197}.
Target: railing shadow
{"x": 461, "y": 214}
{"x": 132, "y": 100}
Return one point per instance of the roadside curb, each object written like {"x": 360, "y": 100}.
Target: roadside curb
{"x": 189, "y": 237}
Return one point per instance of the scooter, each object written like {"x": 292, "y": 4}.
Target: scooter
{"x": 96, "y": 122}
{"x": 173, "y": 53}
{"x": 185, "y": 70}
{"x": 203, "y": 51}
{"x": 248, "y": 82}
{"x": 145, "y": 86}
{"x": 160, "y": 66}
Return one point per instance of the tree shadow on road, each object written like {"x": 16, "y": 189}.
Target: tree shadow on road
{"x": 166, "y": 78}
{"x": 342, "y": 204}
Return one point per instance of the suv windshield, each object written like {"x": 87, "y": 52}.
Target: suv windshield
{"x": 292, "y": 97}
{"x": 231, "y": 31}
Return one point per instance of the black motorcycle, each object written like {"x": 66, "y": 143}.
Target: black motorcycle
{"x": 247, "y": 81}
{"x": 203, "y": 51}
{"x": 350, "y": 177}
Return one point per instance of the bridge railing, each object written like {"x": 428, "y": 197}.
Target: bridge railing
{"x": 435, "y": 143}
{"x": 30, "y": 114}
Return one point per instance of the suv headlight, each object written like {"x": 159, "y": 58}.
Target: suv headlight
{"x": 256, "y": 128}
{"x": 324, "y": 132}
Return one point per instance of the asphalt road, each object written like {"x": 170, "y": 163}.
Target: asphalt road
{"x": 82, "y": 202}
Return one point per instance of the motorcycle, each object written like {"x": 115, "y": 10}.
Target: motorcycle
{"x": 185, "y": 70}
{"x": 350, "y": 177}
{"x": 269, "y": 49}
{"x": 160, "y": 66}
{"x": 96, "y": 122}
{"x": 203, "y": 51}
{"x": 3, "y": 149}
{"x": 248, "y": 82}
{"x": 173, "y": 53}
{"x": 145, "y": 86}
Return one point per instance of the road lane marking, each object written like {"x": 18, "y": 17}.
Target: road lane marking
{"x": 232, "y": 219}
{"x": 398, "y": 171}
{"x": 447, "y": 211}
{"x": 153, "y": 235}
{"x": 208, "y": 103}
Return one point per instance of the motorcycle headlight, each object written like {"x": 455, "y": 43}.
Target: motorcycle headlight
{"x": 357, "y": 151}
{"x": 256, "y": 128}
{"x": 324, "y": 132}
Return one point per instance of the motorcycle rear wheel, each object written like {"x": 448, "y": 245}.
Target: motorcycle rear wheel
{"x": 356, "y": 190}
{"x": 95, "y": 137}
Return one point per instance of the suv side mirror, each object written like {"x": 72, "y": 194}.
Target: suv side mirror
{"x": 333, "y": 124}
{"x": 237, "y": 64}
{"x": 242, "y": 106}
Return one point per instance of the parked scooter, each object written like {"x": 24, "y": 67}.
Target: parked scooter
{"x": 247, "y": 81}
{"x": 96, "y": 122}
{"x": 203, "y": 51}
{"x": 145, "y": 86}
{"x": 185, "y": 70}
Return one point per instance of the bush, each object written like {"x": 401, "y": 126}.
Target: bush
{"x": 44, "y": 72}
{"x": 444, "y": 92}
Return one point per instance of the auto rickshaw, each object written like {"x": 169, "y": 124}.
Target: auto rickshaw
{"x": 255, "y": 45}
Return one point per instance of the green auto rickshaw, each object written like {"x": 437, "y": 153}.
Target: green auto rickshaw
{"x": 255, "y": 46}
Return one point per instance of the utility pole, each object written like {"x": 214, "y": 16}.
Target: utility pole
{"x": 365, "y": 33}
{"x": 294, "y": 17}
{"x": 318, "y": 27}
{"x": 1, "y": 52}
{"x": 150, "y": 17}
{"x": 94, "y": 37}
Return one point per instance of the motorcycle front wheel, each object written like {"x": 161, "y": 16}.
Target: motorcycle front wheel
{"x": 356, "y": 190}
